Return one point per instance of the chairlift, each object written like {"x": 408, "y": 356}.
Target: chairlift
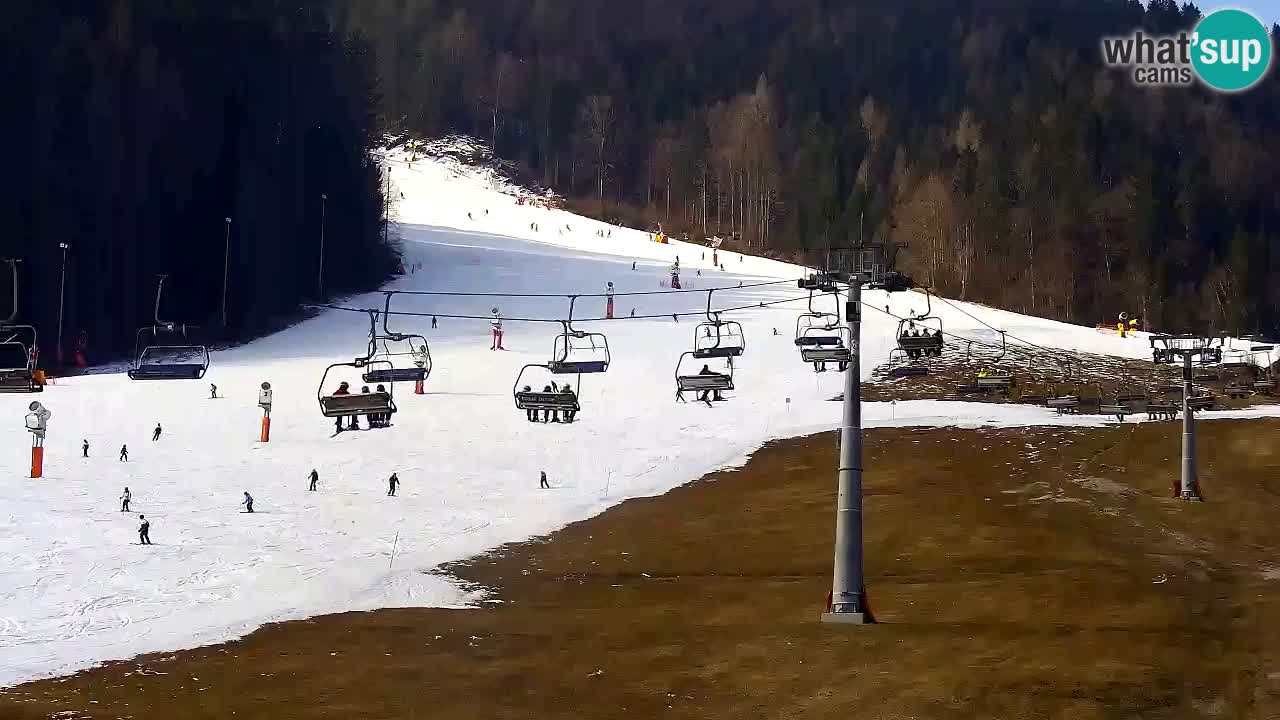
{"x": 18, "y": 347}
{"x": 350, "y": 404}
{"x": 927, "y": 341}
{"x": 1264, "y": 382}
{"x": 817, "y": 328}
{"x": 701, "y": 381}
{"x": 716, "y": 338}
{"x": 163, "y": 351}
{"x": 577, "y": 351}
{"x": 901, "y": 365}
{"x": 996, "y": 380}
{"x": 563, "y": 400}
{"x": 397, "y": 357}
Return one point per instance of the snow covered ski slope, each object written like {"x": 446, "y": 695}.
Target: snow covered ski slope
{"x": 77, "y": 589}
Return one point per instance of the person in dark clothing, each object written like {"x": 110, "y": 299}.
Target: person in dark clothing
{"x": 383, "y": 418}
{"x": 392, "y": 483}
{"x": 542, "y": 483}
{"x": 155, "y": 434}
{"x": 369, "y": 419}
{"x": 84, "y": 449}
{"x": 247, "y": 502}
{"x": 433, "y": 322}
{"x": 343, "y": 389}
{"x": 315, "y": 478}
{"x": 569, "y": 412}
{"x": 213, "y": 391}
{"x": 530, "y": 413}
{"x": 125, "y": 499}
{"x": 633, "y": 264}
{"x": 144, "y": 531}
{"x": 549, "y": 415}
{"x": 124, "y": 453}
{"x": 706, "y": 395}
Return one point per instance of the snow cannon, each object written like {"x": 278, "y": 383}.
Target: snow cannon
{"x": 265, "y": 395}
{"x": 37, "y": 422}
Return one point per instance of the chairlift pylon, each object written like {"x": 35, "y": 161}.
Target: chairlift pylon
{"x": 155, "y": 359}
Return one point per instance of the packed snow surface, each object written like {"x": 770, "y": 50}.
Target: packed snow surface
{"x": 77, "y": 589}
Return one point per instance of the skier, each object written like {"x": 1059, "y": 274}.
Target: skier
{"x": 213, "y": 391}
{"x": 633, "y": 264}
{"x": 315, "y": 478}
{"x": 392, "y": 482}
{"x": 542, "y": 483}
{"x": 125, "y": 499}
{"x": 633, "y": 312}
{"x": 155, "y": 434}
{"x": 124, "y": 453}
{"x": 247, "y": 502}
{"x": 775, "y": 332}
{"x": 496, "y": 323}
{"x": 84, "y": 448}
{"x": 608, "y": 307}
{"x": 144, "y": 531}
{"x": 343, "y": 389}
{"x": 433, "y": 322}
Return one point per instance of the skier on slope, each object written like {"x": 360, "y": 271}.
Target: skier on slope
{"x": 155, "y": 434}
{"x": 542, "y": 482}
{"x": 144, "y": 531}
{"x": 496, "y": 324}
{"x": 247, "y": 502}
{"x": 315, "y": 478}
{"x": 125, "y": 499}
{"x": 392, "y": 483}
{"x": 124, "y": 453}
{"x": 84, "y": 448}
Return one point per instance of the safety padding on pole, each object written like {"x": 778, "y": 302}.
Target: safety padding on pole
{"x": 418, "y": 388}
{"x": 266, "y": 429}
{"x": 37, "y": 461}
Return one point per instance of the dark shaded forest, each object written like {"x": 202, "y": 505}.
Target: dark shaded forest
{"x": 986, "y": 137}
{"x": 188, "y": 138}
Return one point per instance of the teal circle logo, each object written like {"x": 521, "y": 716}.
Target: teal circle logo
{"x": 1231, "y": 50}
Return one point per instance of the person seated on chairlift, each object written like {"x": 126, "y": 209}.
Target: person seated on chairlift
{"x": 382, "y": 418}
{"x": 530, "y": 413}
{"x": 549, "y": 415}
{"x": 343, "y": 389}
{"x": 569, "y": 412}
{"x": 706, "y": 396}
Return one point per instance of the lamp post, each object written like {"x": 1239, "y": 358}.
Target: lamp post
{"x": 320, "y": 272}
{"x": 62, "y": 293}
{"x": 226, "y": 265}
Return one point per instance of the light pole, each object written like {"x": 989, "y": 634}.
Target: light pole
{"x": 320, "y": 272}
{"x": 62, "y": 293}
{"x": 226, "y": 264}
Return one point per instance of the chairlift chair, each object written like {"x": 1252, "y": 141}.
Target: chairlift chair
{"x": 164, "y": 351}
{"x": 696, "y": 382}
{"x": 371, "y": 403}
{"x": 926, "y": 343}
{"x": 716, "y": 338}
{"x": 559, "y": 401}
{"x": 901, "y": 365}
{"x": 822, "y": 345}
{"x": 394, "y": 356}
{"x": 18, "y": 348}
{"x": 577, "y": 351}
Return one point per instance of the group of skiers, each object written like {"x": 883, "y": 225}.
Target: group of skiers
{"x": 124, "y": 449}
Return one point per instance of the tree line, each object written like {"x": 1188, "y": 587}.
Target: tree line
{"x": 987, "y": 140}
{"x": 202, "y": 140}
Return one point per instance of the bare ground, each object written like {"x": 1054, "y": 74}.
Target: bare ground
{"x": 1022, "y": 573}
